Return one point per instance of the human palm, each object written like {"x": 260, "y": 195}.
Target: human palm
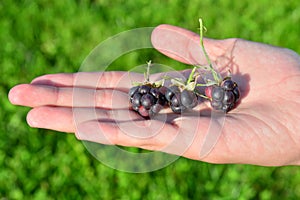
{"x": 262, "y": 130}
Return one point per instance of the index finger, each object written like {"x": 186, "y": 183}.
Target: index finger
{"x": 110, "y": 79}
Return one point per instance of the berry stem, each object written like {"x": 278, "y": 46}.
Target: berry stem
{"x": 201, "y": 95}
{"x": 191, "y": 76}
{"x": 147, "y": 75}
{"x": 207, "y": 84}
{"x": 216, "y": 76}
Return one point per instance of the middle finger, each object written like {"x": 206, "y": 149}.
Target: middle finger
{"x": 66, "y": 119}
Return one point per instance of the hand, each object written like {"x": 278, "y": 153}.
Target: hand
{"x": 263, "y": 130}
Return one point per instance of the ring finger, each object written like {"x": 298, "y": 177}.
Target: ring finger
{"x": 66, "y": 119}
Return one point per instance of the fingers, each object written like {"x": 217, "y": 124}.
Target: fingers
{"x": 119, "y": 127}
{"x": 53, "y": 118}
{"x": 180, "y": 137}
{"x": 40, "y": 95}
{"x": 110, "y": 79}
{"x": 184, "y": 136}
{"x": 155, "y": 135}
{"x": 184, "y": 46}
{"x": 67, "y": 119}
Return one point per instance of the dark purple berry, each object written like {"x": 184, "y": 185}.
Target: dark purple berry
{"x": 228, "y": 97}
{"x": 236, "y": 93}
{"x": 188, "y": 99}
{"x": 178, "y": 109}
{"x": 171, "y": 92}
{"x": 133, "y": 90}
{"x": 228, "y": 84}
{"x": 227, "y": 107}
{"x": 144, "y": 89}
{"x": 155, "y": 109}
{"x": 225, "y": 96}
{"x": 163, "y": 90}
{"x": 217, "y": 93}
{"x": 155, "y": 92}
{"x": 136, "y": 99}
{"x": 175, "y": 101}
{"x": 147, "y": 100}
{"x": 161, "y": 100}
{"x": 136, "y": 108}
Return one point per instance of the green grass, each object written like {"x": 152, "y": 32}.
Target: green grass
{"x": 41, "y": 37}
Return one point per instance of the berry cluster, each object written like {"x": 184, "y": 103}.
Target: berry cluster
{"x": 147, "y": 99}
{"x": 225, "y": 96}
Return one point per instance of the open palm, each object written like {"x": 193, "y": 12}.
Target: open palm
{"x": 262, "y": 130}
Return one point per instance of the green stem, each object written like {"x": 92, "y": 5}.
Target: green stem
{"x": 191, "y": 76}
{"x": 148, "y": 71}
{"x": 206, "y": 84}
{"x": 201, "y": 95}
{"x": 214, "y": 73}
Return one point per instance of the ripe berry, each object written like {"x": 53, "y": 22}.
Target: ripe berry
{"x": 228, "y": 84}
{"x": 188, "y": 99}
{"x": 136, "y": 99}
{"x": 175, "y": 101}
{"x": 236, "y": 93}
{"x": 178, "y": 109}
{"x": 217, "y": 93}
{"x": 225, "y": 96}
{"x": 144, "y": 89}
{"x": 171, "y": 91}
{"x": 133, "y": 90}
{"x": 228, "y": 97}
{"x": 155, "y": 92}
{"x": 146, "y": 99}
{"x": 155, "y": 109}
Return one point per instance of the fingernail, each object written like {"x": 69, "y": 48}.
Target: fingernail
{"x": 31, "y": 119}
{"x": 13, "y": 96}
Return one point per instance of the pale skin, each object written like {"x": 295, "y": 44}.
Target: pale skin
{"x": 263, "y": 129}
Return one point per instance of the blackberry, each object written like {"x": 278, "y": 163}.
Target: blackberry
{"x": 147, "y": 99}
{"x": 223, "y": 93}
{"x": 224, "y": 96}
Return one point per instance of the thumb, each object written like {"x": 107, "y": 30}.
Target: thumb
{"x": 184, "y": 45}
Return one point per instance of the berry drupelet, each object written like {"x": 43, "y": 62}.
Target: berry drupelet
{"x": 180, "y": 101}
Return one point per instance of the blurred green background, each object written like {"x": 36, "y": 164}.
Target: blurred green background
{"x": 41, "y": 37}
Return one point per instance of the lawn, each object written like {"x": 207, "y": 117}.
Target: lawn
{"x": 42, "y": 37}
